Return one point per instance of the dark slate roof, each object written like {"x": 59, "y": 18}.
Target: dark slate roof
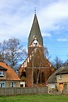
{"x": 35, "y": 32}
{"x": 61, "y": 70}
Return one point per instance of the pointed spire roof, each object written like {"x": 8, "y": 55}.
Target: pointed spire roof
{"x": 35, "y": 32}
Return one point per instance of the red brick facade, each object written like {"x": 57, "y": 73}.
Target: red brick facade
{"x": 36, "y": 69}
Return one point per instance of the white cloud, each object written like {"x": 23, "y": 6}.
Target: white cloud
{"x": 62, "y": 39}
{"x": 54, "y": 14}
{"x": 13, "y": 24}
{"x": 46, "y": 34}
{"x": 16, "y": 16}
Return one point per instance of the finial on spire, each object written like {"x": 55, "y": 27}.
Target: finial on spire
{"x": 35, "y": 10}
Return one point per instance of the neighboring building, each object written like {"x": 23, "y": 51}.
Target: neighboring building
{"x": 62, "y": 79}
{"x": 59, "y": 80}
{"x": 36, "y": 69}
{"x": 8, "y": 77}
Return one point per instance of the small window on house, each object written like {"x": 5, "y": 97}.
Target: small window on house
{"x": 2, "y": 84}
{"x": 60, "y": 76}
{"x": 1, "y": 73}
{"x": 12, "y": 84}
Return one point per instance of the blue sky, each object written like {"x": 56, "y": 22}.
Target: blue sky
{"x": 16, "y": 17}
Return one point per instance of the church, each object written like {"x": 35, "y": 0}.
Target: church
{"x": 36, "y": 69}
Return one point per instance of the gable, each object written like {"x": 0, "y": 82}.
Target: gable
{"x": 10, "y": 73}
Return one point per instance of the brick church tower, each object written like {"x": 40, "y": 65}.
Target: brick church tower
{"x": 36, "y": 69}
{"x": 35, "y": 39}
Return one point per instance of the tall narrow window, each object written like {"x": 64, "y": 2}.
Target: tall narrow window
{"x": 60, "y": 76}
{"x": 43, "y": 77}
{"x": 12, "y": 84}
{"x": 38, "y": 76}
{"x": 35, "y": 77}
{"x": 2, "y": 84}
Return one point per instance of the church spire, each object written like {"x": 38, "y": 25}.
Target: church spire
{"x": 35, "y": 32}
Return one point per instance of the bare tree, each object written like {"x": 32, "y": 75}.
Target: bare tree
{"x": 46, "y": 53}
{"x": 57, "y": 63}
{"x": 66, "y": 62}
{"x": 12, "y": 52}
{"x": 3, "y": 47}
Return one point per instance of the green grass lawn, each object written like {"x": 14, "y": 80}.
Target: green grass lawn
{"x": 35, "y": 98}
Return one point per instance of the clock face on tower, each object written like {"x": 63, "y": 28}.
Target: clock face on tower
{"x": 35, "y": 42}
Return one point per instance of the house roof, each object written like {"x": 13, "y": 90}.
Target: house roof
{"x": 64, "y": 71}
{"x": 35, "y": 32}
{"x": 2, "y": 68}
{"x": 61, "y": 70}
{"x": 10, "y": 73}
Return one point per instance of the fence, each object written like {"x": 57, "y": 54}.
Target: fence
{"x": 22, "y": 91}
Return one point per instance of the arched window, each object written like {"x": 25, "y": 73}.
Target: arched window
{"x": 43, "y": 77}
{"x": 34, "y": 78}
{"x": 38, "y": 76}
{"x": 23, "y": 74}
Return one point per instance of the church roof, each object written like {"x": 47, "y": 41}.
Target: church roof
{"x": 35, "y": 32}
{"x": 37, "y": 60}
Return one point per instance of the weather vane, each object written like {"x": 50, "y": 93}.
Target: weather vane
{"x": 35, "y": 10}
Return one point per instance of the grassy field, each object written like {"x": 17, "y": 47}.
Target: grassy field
{"x": 35, "y": 98}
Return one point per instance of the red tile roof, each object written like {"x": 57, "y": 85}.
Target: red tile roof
{"x": 2, "y": 68}
{"x": 10, "y": 73}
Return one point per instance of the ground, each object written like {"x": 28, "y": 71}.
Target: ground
{"x": 35, "y": 98}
